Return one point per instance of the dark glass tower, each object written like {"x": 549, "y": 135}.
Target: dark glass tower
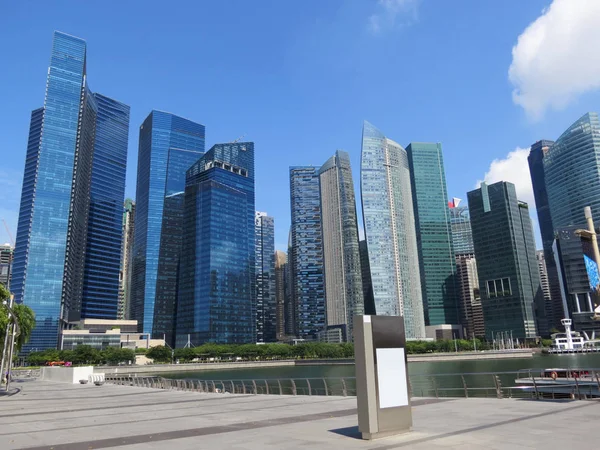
{"x": 306, "y": 257}
{"x": 266, "y": 303}
{"x": 168, "y": 147}
{"x": 434, "y": 234}
{"x": 105, "y": 233}
{"x": 217, "y": 283}
{"x": 509, "y": 281}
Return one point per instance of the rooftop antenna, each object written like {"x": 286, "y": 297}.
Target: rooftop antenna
{"x": 239, "y": 139}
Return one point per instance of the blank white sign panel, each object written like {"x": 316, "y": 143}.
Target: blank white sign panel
{"x": 391, "y": 376}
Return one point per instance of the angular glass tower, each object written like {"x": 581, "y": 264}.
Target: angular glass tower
{"x": 509, "y": 281}
{"x": 53, "y": 217}
{"x": 266, "y": 303}
{"x": 105, "y": 233}
{"x": 460, "y": 223}
{"x": 306, "y": 255}
{"x": 343, "y": 278}
{"x": 389, "y": 221}
{"x": 217, "y": 282}
{"x": 434, "y": 234}
{"x": 168, "y": 147}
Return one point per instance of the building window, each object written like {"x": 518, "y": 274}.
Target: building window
{"x": 499, "y": 288}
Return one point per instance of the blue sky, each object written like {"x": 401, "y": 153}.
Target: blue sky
{"x": 299, "y": 77}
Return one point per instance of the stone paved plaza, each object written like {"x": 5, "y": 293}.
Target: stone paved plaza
{"x": 57, "y": 416}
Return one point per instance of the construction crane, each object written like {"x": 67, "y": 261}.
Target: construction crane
{"x": 239, "y": 139}
{"x": 12, "y": 240}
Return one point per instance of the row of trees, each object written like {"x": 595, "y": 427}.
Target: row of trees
{"x": 25, "y": 318}
{"x": 445, "y": 345}
{"x": 83, "y": 354}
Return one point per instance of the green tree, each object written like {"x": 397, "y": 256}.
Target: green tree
{"x": 160, "y": 354}
{"x": 185, "y": 354}
{"x": 115, "y": 355}
{"x": 25, "y": 319}
{"x": 85, "y": 354}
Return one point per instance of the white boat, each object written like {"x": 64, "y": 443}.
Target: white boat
{"x": 561, "y": 383}
{"x": 572, "y": 341}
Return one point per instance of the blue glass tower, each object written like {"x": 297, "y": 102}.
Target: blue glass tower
{"x": 388, "y": 216}
{"x": 217, "y": 282}
{"x": 460, "y": 222}
{"x": 168, "y": 146}
{"x": 306, "y": 256}
{"x": 53, "y": 218}
{"x": 266, "y": 302}
{"x": 104, "y": 237}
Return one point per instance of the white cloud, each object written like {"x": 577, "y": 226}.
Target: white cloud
{"x": 515, "y": 169}
{"x": 393, "y": 13}
{"x": 555, "y": 59}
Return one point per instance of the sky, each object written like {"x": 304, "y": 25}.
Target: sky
{"x": 486, "y": 79}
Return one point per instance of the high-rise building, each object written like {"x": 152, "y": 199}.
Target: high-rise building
{"x": 509, "y": 282}
{"x": 168, "y": 147}
{"x": 389, "y": 221}
{"x": 306, "y": 257}
{"x": 266, "y": 303}
{"x": 543, "y": 270}
{"x": 6, "y": 258}
{"x": 343, "y": 278}
{"x": 468, "y": 289}
{"x": 105, "y": 230}
{"x": 126, "y": 265}
{"x": 536, "y": 157}
{"x": 217, "y": 282}
{"x": 434, "y": 234}
{"x": 70, "y": 140}
{"x": 460, "y": 222}
{"x": 290, "y": 309}
{"x": 280, "y": 292}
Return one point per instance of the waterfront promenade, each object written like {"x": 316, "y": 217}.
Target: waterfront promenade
{"x": 60, "y": 416}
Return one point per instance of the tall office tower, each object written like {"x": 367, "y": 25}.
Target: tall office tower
{"x": 369, "y": 301}
{"x": 290, "y": 310}
{"x": 280, "y": 292}
{"x": 306, "y": 257}
{"x": 388, "y": 216}
{"x": 460, "y": 222}
{"x": 126, "y": 266}
{"x": 434, "y": 234}
{"x": 105, "y": 233}
{"x": 468, "y": 289}
{"x": 343, "y": 278}
{"x": 543, "y": 271}
{"x": 536, "y": 157}
{"x": 217, "y": 283}
{"x": 266, "y": 302}
{"x": 6, "y": 258}
{"x": 509, "y": 282}
{"x": 52, "y": 230}
{"x": 168, "y": 147}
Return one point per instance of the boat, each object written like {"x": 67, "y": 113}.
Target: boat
{"x": 561, "y": 383}
{"x": 572, "y": 341}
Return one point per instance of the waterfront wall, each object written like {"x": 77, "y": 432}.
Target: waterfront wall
{"x": 165, "y": 368}
{"x": 66, "y": 374}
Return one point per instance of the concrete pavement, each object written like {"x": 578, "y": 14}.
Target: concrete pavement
{"x": 46, "y": 415}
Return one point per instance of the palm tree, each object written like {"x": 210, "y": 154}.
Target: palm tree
{"x": 25, "y": 319}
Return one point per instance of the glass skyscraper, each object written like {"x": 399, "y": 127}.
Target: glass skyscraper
{"x": 509, "y": 281}
{"x": 460, "y": 222}
{"x": 126, "y": 252}
{"x": 105, "y": 233}
{"x": 343, "y": 279}
{"x": 60, "y": 168}
{"x": 217, "y": 282}
{"x": 389, "y": 221}
{"x": 6, "y": 257}
{"x": 434, "y": 234}
{"x": 168, "y": 147}
{"x": 281, "y": 291}
{"x": 266, "y": 303}
{"x": 306, "y": 255}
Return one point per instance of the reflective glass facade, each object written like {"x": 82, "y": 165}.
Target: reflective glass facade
{"x": 281, "y": 290}
{"x": 389, "y": 221}
{"x": 434, "y": 234}
{"x": 266, "y": 303}
{"x": 509, "y": 281}
{"x": 462, "y": 236}
{"x": 343, "y": 278}
{"x": 217, "y": 283}
{"x": 6, "y": 258}
{"x": 52, "y": 228}
{"x": 306, "y": 256}
{"x": 104, "y": 236}
{"x": 126, "y": 266}
{"x": 168, "y": 146}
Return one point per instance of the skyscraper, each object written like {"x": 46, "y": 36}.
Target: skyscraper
{"x": 343, "y": 278}
{"x": 6, "y": 257}
{"x": 126, "y": 265}
{"x": 306, "y": 256}
{"x": 468, "y": 291}
{"x": 460, "y": 222}
{"x": 389, "y": 221}
{"x": 509, "y": 281}
{"x": 266, "y": 303}
{"x": 280, "y": 291}
{"x": 60, "y": 169}
{"x": 105, "y": 233}
{"x": 168, "y": 146}
{"x": 217, "y": 283}
{"x": 543, "y": 270}
{"x": 434, "y": 234}
{"x": 538, "y": 179}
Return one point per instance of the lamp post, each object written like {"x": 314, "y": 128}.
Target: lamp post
{"x": 12, "y": 331}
